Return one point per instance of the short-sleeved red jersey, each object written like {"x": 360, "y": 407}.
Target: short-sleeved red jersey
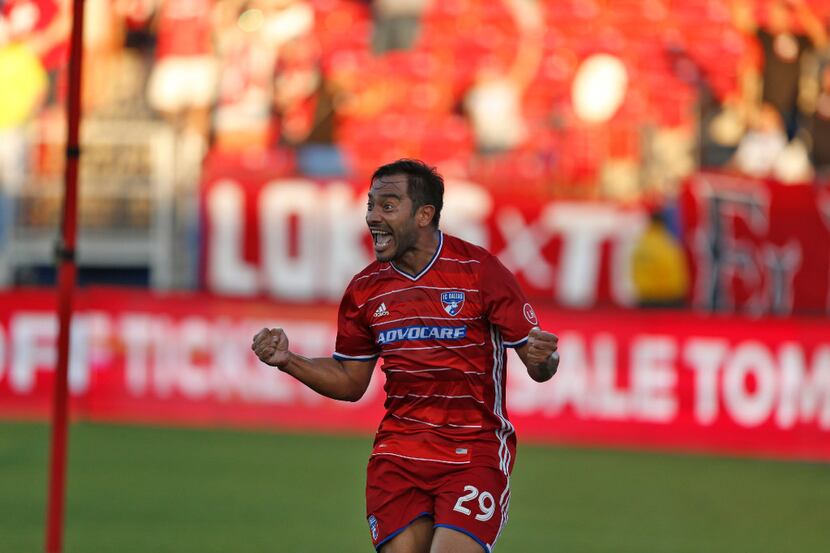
{"x": 442, "y": 335}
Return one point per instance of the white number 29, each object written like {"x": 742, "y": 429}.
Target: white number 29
{"x": 486, "y": 503}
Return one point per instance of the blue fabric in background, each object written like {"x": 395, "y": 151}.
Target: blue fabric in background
{"x": 322, "y": 160}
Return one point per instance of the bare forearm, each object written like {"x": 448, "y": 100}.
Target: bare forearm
{"x": 326, "y": 376}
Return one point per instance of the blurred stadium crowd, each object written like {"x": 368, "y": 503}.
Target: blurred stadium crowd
{"x": 576, "y": 99}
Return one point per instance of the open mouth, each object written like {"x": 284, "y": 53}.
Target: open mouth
{"x": 381, "y": 239}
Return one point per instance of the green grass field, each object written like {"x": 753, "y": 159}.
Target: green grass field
{"x": 140, "y": 489}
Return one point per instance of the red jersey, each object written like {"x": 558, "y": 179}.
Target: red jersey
{"x": 442, "y": 335}
{"x": 185, "y": 28}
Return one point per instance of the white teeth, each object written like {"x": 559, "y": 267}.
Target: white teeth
{"x": 381, "y": 238}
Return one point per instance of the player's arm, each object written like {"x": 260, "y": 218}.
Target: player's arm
{"x": 343, "y": 380}
{"x": 540, "y": 355}
{"x": 506, "y": 307}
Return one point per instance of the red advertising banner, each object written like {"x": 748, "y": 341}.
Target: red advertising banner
{"x": 660, "y": 380}
{"x": 302, "y": 240}
{"x": 757, "y": 247}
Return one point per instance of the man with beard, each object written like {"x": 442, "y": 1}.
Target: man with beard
{"x": 440, "y": 312}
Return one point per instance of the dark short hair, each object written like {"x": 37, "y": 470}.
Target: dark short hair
{"x": 423, "y": 183}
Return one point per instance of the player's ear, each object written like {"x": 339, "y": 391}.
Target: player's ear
{"x": 424, "y": 215}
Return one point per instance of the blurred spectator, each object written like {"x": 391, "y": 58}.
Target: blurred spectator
{"x": 18, "y": 101}
{"x": 304, "y": 105}
{"x": 783, "y": 50}
{"x": 397, "y": 24}
{"x": 667, "y": 159}
{"x": 284, "y": 20}
{"x": 494, "y": 102}
{"x": 298, "y": 80}
{"x": 257, "y": 41}
{"x": 24, "y": 86}
{"x": 723, "y": 122}
{"x": 104, "y": 74}
{"x": 765, "y": 152}
{"x": 138, "y": 18}
{"x": 761, "y": 144}
{"x": 659, "y": 268}
{"x": 45, "y": 26}
{"x": 819, "y": 126}
{"x": 313, "y": 101}
{"x": 183, "y": 82}
{"x": 243, "y": 107}
{"x": 316, "y": 94}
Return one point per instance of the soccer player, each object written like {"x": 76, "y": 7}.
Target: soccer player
{"x": 440, "y": 312}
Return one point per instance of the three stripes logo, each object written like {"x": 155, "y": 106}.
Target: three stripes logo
{"x": 373, "y": 527}
{"x": 381, "y": 310}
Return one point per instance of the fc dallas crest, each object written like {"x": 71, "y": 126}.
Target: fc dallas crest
{"x": 452, "y": 302}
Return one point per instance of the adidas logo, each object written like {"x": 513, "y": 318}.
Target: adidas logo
{"x": 381, "y": 310}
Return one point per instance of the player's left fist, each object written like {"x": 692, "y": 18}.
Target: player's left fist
{"x": 542, "y": 351}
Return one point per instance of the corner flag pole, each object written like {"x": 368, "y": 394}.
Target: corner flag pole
{"x": 65, "y": 254}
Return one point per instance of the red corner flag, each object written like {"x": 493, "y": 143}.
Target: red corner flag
{"x": 66, "y": 286}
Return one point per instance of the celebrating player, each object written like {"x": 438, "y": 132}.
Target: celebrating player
{"x": 440, "y": 312}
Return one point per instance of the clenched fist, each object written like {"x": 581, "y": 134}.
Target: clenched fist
{"x": 542, "y": 351}
{"x": 271, "y": 346}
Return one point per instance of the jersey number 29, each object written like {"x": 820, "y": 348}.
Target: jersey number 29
{"x": 486, "y": 503}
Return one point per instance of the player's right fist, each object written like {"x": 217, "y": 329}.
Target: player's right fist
{"x": 271, "y": 346}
